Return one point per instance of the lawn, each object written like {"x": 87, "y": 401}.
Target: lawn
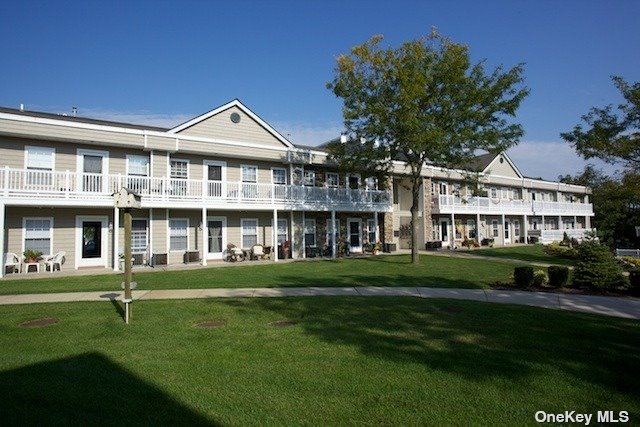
{"x": 371, "y": 271}
{"x": 529, "y": 253}
{"x": 347, "y": 360}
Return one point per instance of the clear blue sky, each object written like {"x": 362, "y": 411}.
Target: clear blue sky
{"x": 164, "y": 61}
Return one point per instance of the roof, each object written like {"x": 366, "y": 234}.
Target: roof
{"x": 76, "y": 119}
{"x": 480, "y": 163}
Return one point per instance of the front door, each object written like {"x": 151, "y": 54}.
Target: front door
{"x": 216, "y": 227}
{"x": 354, "y": 227}
{"x": 93, "y": 169}
{"x": 215, "y": 173}
{"x": 507, "y": 234}
{"x": 92, "y": 236}
{"x": 444, "y": 231}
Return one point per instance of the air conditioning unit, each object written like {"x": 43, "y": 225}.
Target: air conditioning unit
{"x": 159, "y": 259}
{"x": 191, "y": 256}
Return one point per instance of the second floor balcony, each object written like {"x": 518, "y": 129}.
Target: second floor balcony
{"x": 447, "y": 204}
{"x": 44, "y": 187}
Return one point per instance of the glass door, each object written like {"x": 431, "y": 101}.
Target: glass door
{"x": 91, "y": 239}
{"x": 92, "y": 180}
{"x": 355, "y": 235}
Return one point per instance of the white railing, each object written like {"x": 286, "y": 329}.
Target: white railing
{"x": 548, "y": 236}
{"x": 487, "y": 205}
{"x": 71, "y": 185}
{"x": 635, "y": 253}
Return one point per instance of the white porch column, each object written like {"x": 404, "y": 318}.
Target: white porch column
{"x": 478, "y": 227}
{"x": 292, "y": 238}
{"x": 205, "y": 237}
{"x": 543, "y": 222}
{"x": 333, "y": 235}
{"x": 150, "y": 248}
{"x": 575, "y": 221}
{"x": 274, "y": 236}
{"x": 560, "y": 223}
{"x": 116, "y": 240}
{"x": 304, "y": 240}
{"x": 375, "y": 224}
{"x": 525, "y": 228}
{"x": 453, "y": 230}
{"x": 587, "y": 222}
{"x": 503, "y": 236}
{"x": 2, "y": 216}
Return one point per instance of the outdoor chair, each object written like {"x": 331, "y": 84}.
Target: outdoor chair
{"x": 11, "y": 262}
{"x": 257, "y": 252}
{"x": 57, "y": 259}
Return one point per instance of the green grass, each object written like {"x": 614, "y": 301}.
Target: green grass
{"x": 529, "y": 253}
{"x": 349, "y": 360}
{"x": 371, "y": 271}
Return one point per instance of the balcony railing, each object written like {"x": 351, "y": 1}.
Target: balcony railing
{"x": 486, "y": 205}
{"x": 20, "y": 183}
{"x": 548, "y": 236}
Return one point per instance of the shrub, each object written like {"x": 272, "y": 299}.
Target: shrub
{"x": 597, "y": 268}
{"x": 630, "y": 262}
{"x": 539, "y": 278}
{"x": 469, "y": 243}
{"x": 523, "y": 276}
{"x": 561, "y": 251}
{"x": 558, "y": 276}
{"x": 634, "y": 279}
{"x": 487, "y": 242}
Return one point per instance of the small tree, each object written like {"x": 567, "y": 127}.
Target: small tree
{"x": 423, "y": 102}
{"x": 597, "y": 268}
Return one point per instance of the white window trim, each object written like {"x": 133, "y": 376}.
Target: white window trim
{"x": 216, "y": 255}
{"x": 242, "y": 166}
{"x": 81, "y": 152}
{"x": 279, "y": 169}
{"x": 24, "y": 232}
{"x": 517, "y": 231}
{"x": 286, "y": 223}
{"x": 106, "y": 243}
{"x": 304, "y": 178}
{"x": 179, "y": 160}
{"x": 337, "y": 175}
{"x": 369, "y": 229}
{"x": 315, "y": 232}
{"x": 495, "y": 226}
{"x": 375, "y": 183}
{"x": 40, "y": 147}
{"x": 205, "y": 170}
{"x": 148, "y": 232}
{"x": 129, "y": 156}
{"x": 242, "y": 220}
{"x": 169, "y": 234}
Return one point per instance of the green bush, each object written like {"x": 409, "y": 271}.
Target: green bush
{"x": 558, "y": 276}
{"x": 561, "y": 251}
{"x": 597, "y": 268}
{"x": 523, "y": 276}
{"x": 539, "y": 278}
{"x": 630, "y": 262}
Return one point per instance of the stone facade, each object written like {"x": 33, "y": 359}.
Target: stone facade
{"x": 426, "y": 210}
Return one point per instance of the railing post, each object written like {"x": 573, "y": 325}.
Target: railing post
{"x": 6, "y": 180}
{"x": 165, "y": 188}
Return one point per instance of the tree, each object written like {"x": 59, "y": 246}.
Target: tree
{"x": 612, "y": 136}
{"x": 423, "y": 102}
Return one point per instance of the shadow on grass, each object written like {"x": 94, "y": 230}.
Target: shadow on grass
{"x": 406, "y": 280}
{"x": 87, "y": 389}
{"x": 473, "y": 340}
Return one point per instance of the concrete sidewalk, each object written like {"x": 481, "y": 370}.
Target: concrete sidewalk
{"x": 608, "y": 306}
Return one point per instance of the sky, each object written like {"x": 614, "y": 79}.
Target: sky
{"x": 163, "y": 62}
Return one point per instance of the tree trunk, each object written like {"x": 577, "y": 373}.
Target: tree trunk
{"x": 415, "y": 200}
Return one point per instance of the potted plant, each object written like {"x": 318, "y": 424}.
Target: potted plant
{"x": 377, "y": 247}
{"x": 286, "y": 245}
{"x": 31, "y": 256}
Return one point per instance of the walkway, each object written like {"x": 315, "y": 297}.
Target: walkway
{"x": 609, "y": 306}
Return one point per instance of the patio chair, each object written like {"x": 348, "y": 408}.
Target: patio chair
{"x": 257, "y": 252}
{"x": 57, "y": 259}
{"x": 11, "y": 262}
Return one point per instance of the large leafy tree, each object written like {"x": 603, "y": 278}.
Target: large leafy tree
{"x": 612, "y": 135}
{"x": 423, "y": 102}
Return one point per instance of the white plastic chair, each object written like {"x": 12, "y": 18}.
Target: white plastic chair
{"x": 257, "y": 252}
{"x": 57, "y": 259}
{"x": 12, "y": 261}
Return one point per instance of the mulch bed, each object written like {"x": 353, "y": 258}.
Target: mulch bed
{"x": 210, "y": 324}
{"x": 40, "y": 323}
{"x": 283, "y": 323}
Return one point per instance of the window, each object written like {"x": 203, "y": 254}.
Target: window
{"x": 371, "y": 231}
{"x": 249, "y": 173}
{"x": 354, "y": 182}
{"x": 310, "y": 232}
{"x": 279, "y": 176}
{"x": 178, "y": 234}
{"x": 215, "y": 227}
{"x": 443, "y": 188}
{"x": 494, "y": 193}
{"x": 309, "y": 178}
{"x": 458, "y": 229}
{"x": 179, "y": 169}
{"x": 534, "y": 225}
{"x": 137, "y": 165}
{"x": 506, "y": 192}
{"x": 283, "y": 231}
{"x": 138, "y": 235}
{"x": 249, "y": 230}
{"x": 516, "y": 228}
{"x": 494, "y": 228}
{"x": 371, "y": 183}
{"x": 332, "y": 179}
{"x": 39, "y": 161}
{"x": 434, "y": 187}
{"x": 214, "y": 172}
{"x": 38, "y": 234}
{"x": 471, "y": 229}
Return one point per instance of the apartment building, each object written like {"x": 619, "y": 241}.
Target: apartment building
{"x": 228, "y": 177}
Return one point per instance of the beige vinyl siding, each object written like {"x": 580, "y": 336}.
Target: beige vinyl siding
{"x": 159, "y": 164}
{"x": 64, "y": 230}
{"x": 501, "y": 169}
{"x": 160, "y": 143}
{"x": 220, "y": 126}
{"x": 159, "y": 231}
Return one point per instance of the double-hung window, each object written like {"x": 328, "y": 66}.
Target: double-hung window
{"x": 516, "y": 228}
{"x": 38, "y": 234}
{"x": 310, "y": 232}
{"x": 309, "y": 178}
{"x": 332, "y": 180}
{"x": 249, "y": 230}
{"x": 178, "y": 234}
{"x": 137, "y": 171}
{"x": 371, "y": 230}
{"x": 138, "y": 235}
{"x": 494, "y": 228}
{"x": 39, "y": 164}
{"x": 279, "y": 176}
{"x": 249, "y": 180}
{"x": 179, "y": 173}
{"x": 283, "y": 231}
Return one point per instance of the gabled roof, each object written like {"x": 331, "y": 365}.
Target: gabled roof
{"x": 480, "y": 163}
{"x": 235, "y": 103}
{"x": 509, "y": 161}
